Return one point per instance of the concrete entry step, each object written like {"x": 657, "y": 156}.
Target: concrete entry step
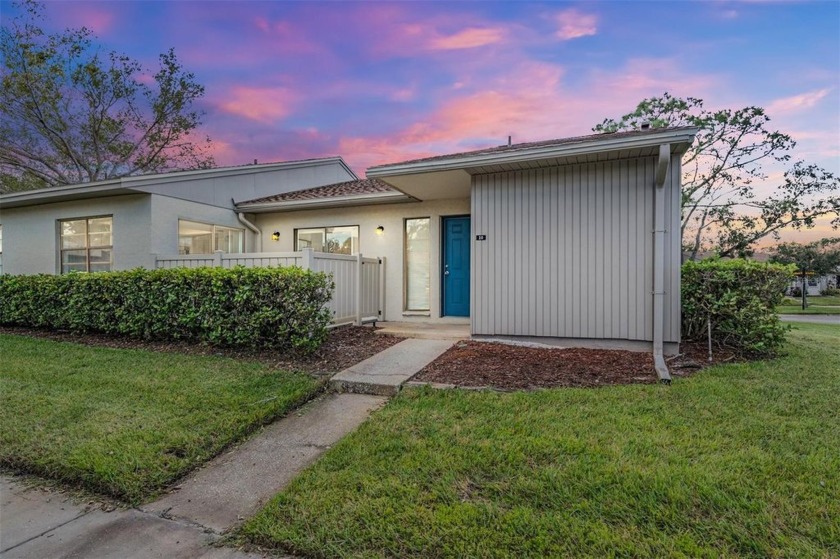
{"x": 425, "y": 330}
{"x": 385, "y": 372}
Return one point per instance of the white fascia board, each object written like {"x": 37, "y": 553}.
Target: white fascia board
{"x": 77, "y": 191}
{"x": 315, "y": 203}
{"x": 531, "y": 154}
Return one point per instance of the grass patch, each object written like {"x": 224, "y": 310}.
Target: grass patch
{"x": 810, "y": 309}
{"x": 823, "y": 304}
{"x": 738, "y": 460}
{"x": 127, "y": 423}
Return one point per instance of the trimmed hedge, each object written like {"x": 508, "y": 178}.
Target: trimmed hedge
{"x": 739, "y": 298}
{"x": 279, "y": 307}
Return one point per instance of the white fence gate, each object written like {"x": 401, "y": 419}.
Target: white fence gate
{"x": 359, "y": 293}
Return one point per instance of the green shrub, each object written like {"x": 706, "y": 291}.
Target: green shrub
{"x": 739, "y": 298}
{"x": 830, "y": 292}
{"x": 279, "y": 307}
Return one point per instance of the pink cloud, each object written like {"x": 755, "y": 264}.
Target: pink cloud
{"x": 799, "y": 102}
{"x": 469, "y": 38}
{"x": 546, "y": 109}
{"x": 260, "y": 103}
{"x": 573, "y": 24}
{"x": 97, "y": 17}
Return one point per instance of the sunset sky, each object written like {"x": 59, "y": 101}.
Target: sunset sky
{"x": 381, "y": 82}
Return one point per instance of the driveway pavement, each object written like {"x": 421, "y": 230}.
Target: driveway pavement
{"x": 811, "y": 318}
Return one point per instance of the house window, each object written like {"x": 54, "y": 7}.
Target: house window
{"x": 337, "y": 240}
{"x": 86, "y": 244}
{"x": 204, "y": 238}
{"x": 417, "y": 264}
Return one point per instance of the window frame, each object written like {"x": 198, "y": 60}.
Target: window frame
{"x": 213, "y": 231}
{"x": 324, "y": 229}
{"x": 87, "y": 248}
{"x": 406, "y": 307}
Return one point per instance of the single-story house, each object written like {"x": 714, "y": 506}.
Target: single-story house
{"x": 815, "y": 285}
{"x": 568, "y": 241}
{"x": 123, "y": 223}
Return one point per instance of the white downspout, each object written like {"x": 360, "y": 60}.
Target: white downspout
{"x": 252, "y": 227}
{"x": 659, "y": 265}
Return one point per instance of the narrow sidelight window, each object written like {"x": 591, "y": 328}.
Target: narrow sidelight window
{"x": 417, "y": 264}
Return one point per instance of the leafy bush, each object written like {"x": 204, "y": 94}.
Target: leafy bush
{"x": 278, "y": 307}
{"x": 796, "y": 292}
{"x": 739, "y": 298}
{"x": 830, "y": 292}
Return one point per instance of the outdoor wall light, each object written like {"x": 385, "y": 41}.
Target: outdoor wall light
{"x": 380, "y": 230}
{"x": 275, "y": 236}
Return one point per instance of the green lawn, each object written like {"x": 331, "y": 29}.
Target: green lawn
{"x": 126, "y": 422}
{"x": 811, "y": 309}
{"x": 816, "y": 305}
{"x": 740, "y": 460}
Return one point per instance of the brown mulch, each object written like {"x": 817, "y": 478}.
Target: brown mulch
{"x": 695, "y": 356}
{"x": 510, "y": 367}
{"x": 513, "y": 367}
{"x": 345, "y": 346}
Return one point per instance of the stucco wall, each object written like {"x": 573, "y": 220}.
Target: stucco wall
{"x": 389, "y": 245}
{"x": 30, "y": 235}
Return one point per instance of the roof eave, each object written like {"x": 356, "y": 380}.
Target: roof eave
{"x": 597, "y": 145}
{"x": 60, "y": 193}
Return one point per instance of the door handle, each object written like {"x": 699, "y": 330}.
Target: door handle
{"x": 446, "y": 273}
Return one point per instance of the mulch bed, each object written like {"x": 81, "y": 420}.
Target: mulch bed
{"x": 511, "y": 367}
{"x": 345, "y": 346}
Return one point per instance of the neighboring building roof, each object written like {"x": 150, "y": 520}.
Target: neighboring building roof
{"x": 134, "y": 184}
{"x": 528, "y": 146}
{"x": 349, "y": 193}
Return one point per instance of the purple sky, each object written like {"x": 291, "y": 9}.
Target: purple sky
{"x": 381, "y": 82}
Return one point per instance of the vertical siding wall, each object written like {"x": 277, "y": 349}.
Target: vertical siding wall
{"x": 569, "y": 251}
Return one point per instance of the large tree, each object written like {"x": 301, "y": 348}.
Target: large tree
{"x": 721, "y": 208}
{"x": 70, "y": 114}
{"x": 818, "y": 258}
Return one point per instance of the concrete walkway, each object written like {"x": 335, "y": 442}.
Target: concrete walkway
{"x": 237, "y": 484}
{"x": 386, "y": 371}
{"x": 811, "y": 318}
{"x": 37, "y": 523}
{"x": 185, "y": 523}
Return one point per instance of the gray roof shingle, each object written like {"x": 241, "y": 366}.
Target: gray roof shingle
{"x": 349, "y": 188}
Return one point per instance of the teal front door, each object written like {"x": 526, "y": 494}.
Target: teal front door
{"x": 456, "y": 266}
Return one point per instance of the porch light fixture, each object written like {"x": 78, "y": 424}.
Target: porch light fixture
{"x": 380, "y": 230}
{"x": 275, "y": 236}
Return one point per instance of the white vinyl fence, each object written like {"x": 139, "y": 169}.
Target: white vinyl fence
{"x": 359, "y": 294}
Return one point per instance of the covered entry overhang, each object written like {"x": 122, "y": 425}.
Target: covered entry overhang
{"x": 450, "y": 176}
